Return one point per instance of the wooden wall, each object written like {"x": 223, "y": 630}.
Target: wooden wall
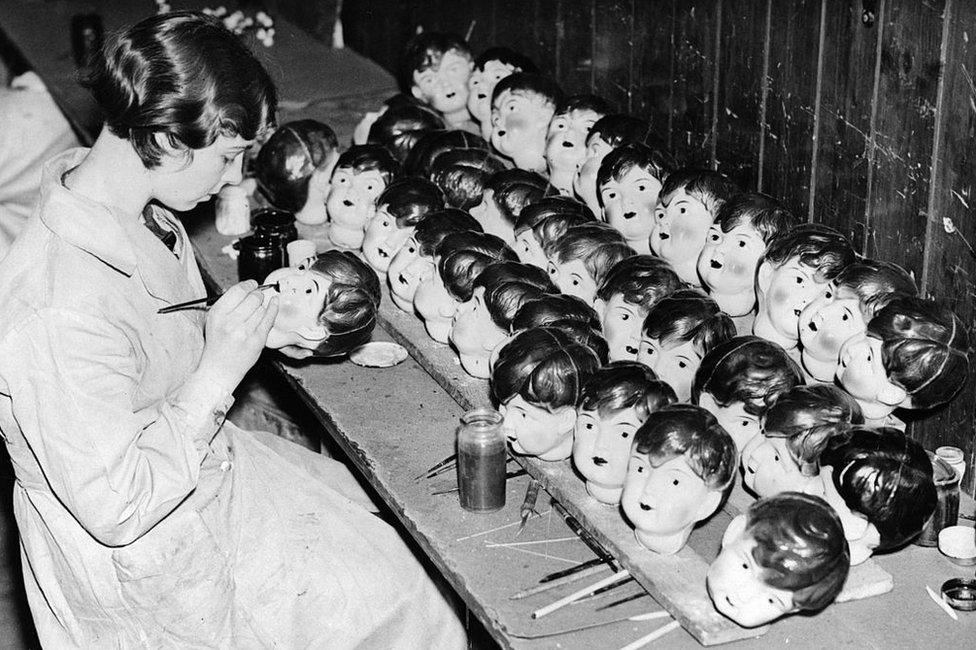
{"x": 857, "y": 113}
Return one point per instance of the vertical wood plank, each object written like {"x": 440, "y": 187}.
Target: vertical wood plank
{"x": 549, "y": 45}
{"x": 574, "y": 27}
{"x": 613, "y": 48}
{"x": 515, "y": 26}
{"x": 651, "y": 82}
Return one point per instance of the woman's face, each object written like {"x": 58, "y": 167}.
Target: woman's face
{"x": 182, "y": 181}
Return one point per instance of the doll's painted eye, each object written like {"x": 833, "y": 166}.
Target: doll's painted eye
{"x": 625, "y": 316}
{"x": 342, "y": 180}
{"x": 640, "y": 469}
{"x": 682, "y": 365}
{"x": 624, "y": 435}
{"x": 675, "y": 482}
{"x": 776, "y": 458}
{"x": 682, "y": 211}
{"x": 799, "y": 279}
{"x": 411, "y": 250}
{"x": 576, "y": 282}
{"x": 745, "y": 566}
{"x": 844, "y": 317}
{"x": 611, "y": 195}
{"x": 659, "y": 214}
{"x": 642, "y": 188}
{"x": 386, "y": 224}
{"x": 828, "y": 295}
{"x": 370, "y": 188}
{"x": 714, "y": 237}
{"x": 742, "y": 243}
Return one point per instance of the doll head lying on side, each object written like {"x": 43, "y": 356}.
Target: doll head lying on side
{"x": 566, "y": 139}
{"x": 401, "y": 206}
{"x": 361, "y": 174}
{"x": 522, "y": 105}
{"x": 608, "y": 133}
{"x": 580, "y": 260}
{"x": 542, "y": 222}
{"x": 490, "y": 67}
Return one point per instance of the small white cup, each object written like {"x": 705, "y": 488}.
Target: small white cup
{"x": 299, "y": 251}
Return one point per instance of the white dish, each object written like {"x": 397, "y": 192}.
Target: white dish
{"x": 378, "y": 354}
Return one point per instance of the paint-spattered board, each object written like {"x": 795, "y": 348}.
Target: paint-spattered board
{"x": 652, "y": 65}
{"x": 613, "y": 52}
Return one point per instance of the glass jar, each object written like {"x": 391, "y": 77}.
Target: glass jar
{"x": 258, "y": 256}
{"x": 482, "y": 453}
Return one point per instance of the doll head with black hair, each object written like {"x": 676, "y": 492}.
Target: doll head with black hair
{"x": 433, "y": 145}
{"x": 401, "y": 206}
{"x": 566, "y": 139}
{"x": 463, "y": 175}
{"x": 560, "y": 213}
{"x": 686, "y": 208}
{"x": 554, "y": 307}
{"x": 505, "y": 194}
{"x": 490, "y": 67}
{"x": 399, "y": 128}
{"x": 522, "y": 105}
{"x": 581, "y": 258}
{"x": 628, "y": 183}
{"x": 436, "y": 68}
{"x": 608, "y": 133}
{"x": 361, "y": 174}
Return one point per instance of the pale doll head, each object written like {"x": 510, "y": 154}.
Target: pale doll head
{"x": 326, "y": 306}
{"x": 844, "y": 308}
{"x": 796, "y": 430}
{"x": 522, "y": 105}
{"x": 400, "y": 127}
{"x": 544, "y": 221}
{"x": 786, "y": 554}
{"x": 294, "y": 166}
{"x": 566, "y": 139}
{"x": 628, "y": 183}
{"x": 616, "y": 400}
{"x": 536, "y": 383}
{"x": 677, "y": 333}
{"x": 505, "y": 194}
{"x": 605, "y": 135}
{"x": 490, "y": 67}
{"x": 797, "y": 267}
{"x": 686, "y": 208}
{"x": 740, "y": 379}
{"x": 463, "y": 175}
{"x": 436, "y": 67}
{"x": 434, "y": 144}
{"x": 735, "y": 244}
{"x": 681, "y": 464}
{"x": 401, "y": 206}
{"x": 631, "y": 288}
{"x": 360, "y": 176}
{"x": 580, "y": 260}
{"x": 914, "y": 355}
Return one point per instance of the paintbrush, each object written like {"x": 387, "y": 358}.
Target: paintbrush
{"x": 587, "y": 538}
{"x": 205, "y": 302}
{"x": 622, "y": 601}
{"x": 508, "y": 475}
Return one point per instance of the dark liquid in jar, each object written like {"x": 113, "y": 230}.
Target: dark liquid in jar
{"x": 481, "y": 475}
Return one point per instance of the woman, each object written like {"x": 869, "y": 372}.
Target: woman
{"x": 146, "y": 520}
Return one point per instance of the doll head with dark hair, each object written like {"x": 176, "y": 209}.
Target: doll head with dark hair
{"x": 914, "y": 355}
{"x": 738, "y": 380}
{"x": 608, "y": 133}
{"x": 505, "y": 194}
{"x": 361, "y": 174}
{"x": 401, "y": 206}
{"x": 522, "y": 105}
{"x": 786, "y": 554}
{"x": 433, "y": 145}
{"x": 566, "y": 139}
{"x": 796, "y": 430}
{"x": 294, "y": 167}
{"x": 554, "y": 307}
{"x": 536, "y": 382}
{"x": 436, "y": 67}
{"x": 686, "y": 208}
{"x": 531, "y": 235}
{"x": 414, "y": 262}
{"x": 628, "y": 184}
{"x": 880, "y": 483}
{"x": 581, "y": 259}
{"x": 463, "y": 175}
{"x": 401, "y": 126}
{"x": 797, "y": 267}
{"x": 735, "y": 243}
{"x": 613, "y": 404}
{"x": 490, "y": 67}
{"x": 678, "y": 332}
{"x": 631, "y": 288}
{"x": 682, "y": 464}
{"x": 844, "y": 308}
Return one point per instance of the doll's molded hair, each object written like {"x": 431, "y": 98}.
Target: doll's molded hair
{"x": 656, "y": 162}
{"x": 689, "y": 315}
{"x": 463, "y": 175}
{"x": 815, "y": 246}
{"x": 875, "y": 282}
{"x": 590, "y": 337}
{"x": 433, "y": 144}
{"x": 370, "y": 157}
{"x": 463, "y": 257}
{"x": 555, "y": 307}
{"x": 800, "y": 547}
{"x": 526, "y": 83}
{"x": 513, "y": 189}
{"x": 690, "y": 431}
{"x": 621, "y": 385}
{"x": 183, "y": 75}
{"x": 425, "y": 51}
{"x": 409, "y": 200}
{"x": 643, "y": 280}
{"x": 710, "y": 187}
{"x": 593, "y": 103}
{"x": 515, "y": 271}
{"x": 887, "y": 477}
{"x": 286, "y": 162}
{"x": 353, "y": 298}
{"x": 502, "y": 301}
{"x": 538, "y": 211}
{"x": 598, "y": 245}
{"x": 762, "y": 212}
{"x": 400, "y": 127}
{"x": 924, "y": 349}
{"x": 746, "y": 369}
{"x": 505, "y": 56}
{"x": 438, "y": 225}
{"x": 543, "y": 365}
{"x": 619, "y": 129}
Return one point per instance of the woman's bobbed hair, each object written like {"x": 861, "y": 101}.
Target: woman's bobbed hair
{"x": 182, "y": 75}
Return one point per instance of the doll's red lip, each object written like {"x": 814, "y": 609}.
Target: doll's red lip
{"x": 630, "y": 350}
{"x": 812, "y": 326}
{"x": 382, "y": 253}
{"x": 599, "y": 462}
{"x": 450, "y": 95}
{"x": 645, "y": 507}
{"x": 347, "y": 203}
{"x": 729, "y": 601}
{"x": 796, "y": 312}
{"x": 482, "y": 96}
{"x": 402, "y": 279}
{"x": 663, "y": 235}
{"x": 715, "y": 264}
{"x": 629, "y": 215}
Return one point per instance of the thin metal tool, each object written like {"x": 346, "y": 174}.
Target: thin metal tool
{"x": 622, "y": 601}
{"x": 528, "y": 505}
{"x": 432, "y": 471}
{"x": 562, "y": 602}
{"x": 565, "y": 580}
{"x": 556, "y": 575}
{"x": 205, "y": 302}
{"x": 603, "y": 590}
{"x": 587, "y": 538}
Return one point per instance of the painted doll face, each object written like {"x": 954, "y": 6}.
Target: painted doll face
{"x": 663, "y": 500}
{"x": 628, "y": 204}
{"x": 566, "y": 140}
{"x": 573, "y": 279}
{"x": 675, "y": 362}
{"x": 529, "y": 250}
{"x": 436, "y": 307}
{"x": 601, "y": 447}
{"x": 474, "y": 334}
{"x": 679, "y": 232}
{"x": 480, "y": 86}
{"x": 519, "y": 123}
{"x": 301, "y": 297}
{"x": 536, "y": 431}
{"x": 769, "y": 467}
{"x": 742, "y": 426}
{"x": 828, "y": 321}
{"x": 787, "y": 289}
{"x": 383, "y": 239}
{"x": 584, "y": 184}
{"x": 408, "y": 269}
{"x": 862, "y": 374}
{"x": 727, "y": 264}
{"x": 444, "y": 88}
{"x": 491, "y": 219}
{"x": 622, "y": 322}
{"x": 352, "y": 200}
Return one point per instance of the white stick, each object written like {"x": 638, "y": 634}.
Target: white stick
{"x": 650, "y": 616}
{"x": 941, "y": 603}
{"x": 562, "y": 602}
{"x": 656, "y": 634}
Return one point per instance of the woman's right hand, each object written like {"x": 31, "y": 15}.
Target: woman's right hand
{"x": 236, "y": 331}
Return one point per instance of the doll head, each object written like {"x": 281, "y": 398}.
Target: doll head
{"x": 738, "y": 380}
{"x": 401, "y": 206}
{"x": 433, "y": 144}
{"x": 436, "y": 67}
{"x": 414, "y": 262}
{"x": 631, "y": 288}
{"x": 844, "y": 308}
{"x": 681, "y": 464}
{"x": 560, "y": 213}
{"x": 536, "y": 383}
{"x": 735, "y": 244}
{"x": 797, "y": 267}
{"x": 566, "y": 139}
{"x": 361, "y": 174}
{"x": 554, "y": 307}
{"x": 613, "y": 404}
{"x": 628, "y": 183}
{"x": 463, "y": 174}
{"x": 490, "y": 67}
{"x": 327, "y": 307}
{"x": 677, "y": 333}
{"x": 913, "y": 355}
{"x": 401, "y": 126}
{"x": 796, "y": 430}
{"x": 880, "y": 483}
{"x": 786, "y": 554}
{"x": 581, "y": 259}
{"x": 294, "y": 166}
{"x": 686, "y": 208}
{"x": 505, "y": 194}
{"x": 608, "y": 133}
{"x": 522, "y": 105}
